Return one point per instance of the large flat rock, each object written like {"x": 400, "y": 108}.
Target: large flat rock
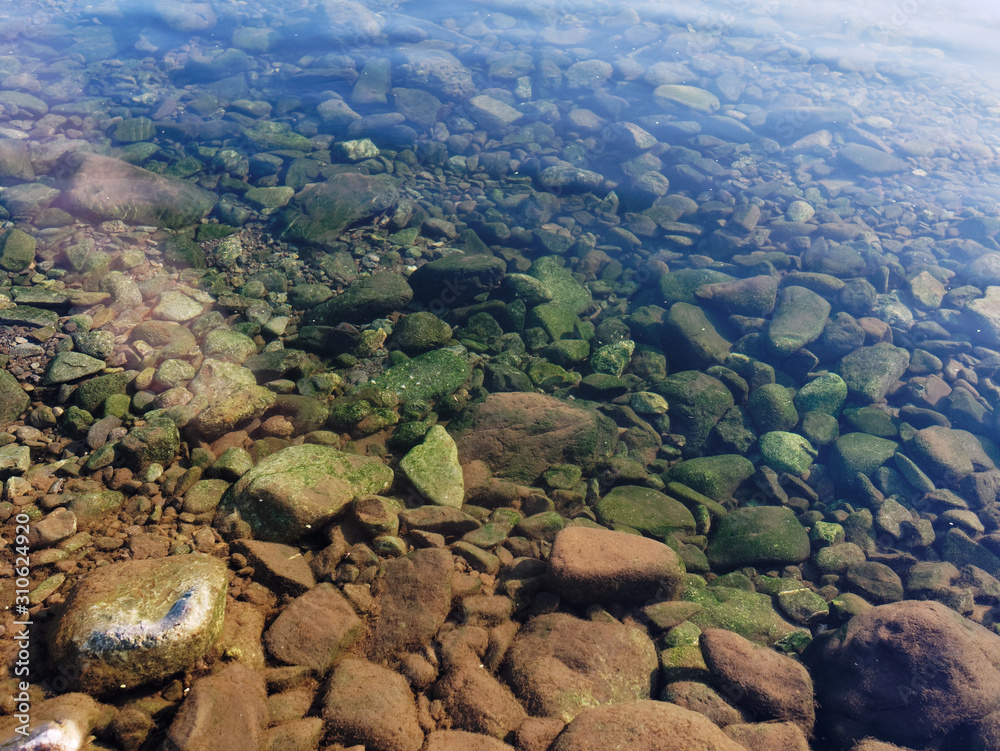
{"x": 105, "y": 188}
{"x": 520, "y": 435}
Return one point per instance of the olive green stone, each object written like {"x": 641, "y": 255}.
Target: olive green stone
{"x": 134, "y": 129}
{"x": 825, "y": 393}
{"x": 758, "y": 536}
{"x": 433, "y": 469}
{"x": 786, "y": 452}
{"x": 749, "y": 614}
{"x": 13, "y": 399}
{"x": 300, "y": 488}
{"x": 644, "y": 509}
{"x": 28, "y": 315}
{"x": 68, "y": 366}
{"x": 17, "y": 250}
{"x": 134, "y": 622}
{"x": 429, "y": 376}
{"x": 855, "y": 453}
{"x": 204, "y": 496}
{"x": 717, "y": 477}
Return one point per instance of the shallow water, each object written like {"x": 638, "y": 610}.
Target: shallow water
{"x": 841, "y": 158}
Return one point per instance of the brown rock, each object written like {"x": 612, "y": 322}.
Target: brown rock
{"x": 643, "y": 726}
{"x": 762, "y": 682}
{"x": 280, "y": 567}
{"x": 461, "y": 740}
{"x": 413, "y": 599}
{"x": 948, "y": 453}
{"x": 558, "y": 665}
{"x": 300, "y": 735}
{"x": 538, "y": 733}
{"x": 598, "y": 565}
{"x": 911, "y": 673}
{"x": 703, "y": 699}
{"x": 103, "y": 187}
{"x": 478, "y": 702}
{"x": 226, "y": 711}
{"x": 870, "y": 744}
{"x": 368, "y": 704}
{"x": 519, "y": 435}
{"x": 314, "y": 629}
{"x": 769, "y": 736}
{"x": 242, "y": 633}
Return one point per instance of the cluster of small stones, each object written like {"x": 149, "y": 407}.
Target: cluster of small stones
{"x": 778, "y": 304}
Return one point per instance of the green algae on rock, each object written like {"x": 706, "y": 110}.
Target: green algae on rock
{"x": 103, "y": 187}
{"x": 134, "y": 622}
{"x": 432, "y": 375}
{"x": 758, "y": 536}
{"x": 520, "y": 435}
{"x": 432, "y": 468}
{"x": 298, "y": 490}
{"x": 644, "y": 509}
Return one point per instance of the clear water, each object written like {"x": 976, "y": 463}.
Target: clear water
{"x": 630, "y": 137}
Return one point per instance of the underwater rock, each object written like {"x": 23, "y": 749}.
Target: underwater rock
{"x": 520, "y": 435}
{"x": 298, "y": 489}
{"x": 595, "y": 565}
{"x": 134, "y": 622}
{"x": 103, "y": 187}
{"x": 559, "y": 665}
{"x": 909, "y": 673}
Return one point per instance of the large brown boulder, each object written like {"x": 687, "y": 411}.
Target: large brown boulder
{"x": 558, "y": 665}
{"x": 412, "y": 600}
{"x": 910, "y": 673}
{"x": 600, "y": 565}
{"x": 371, "y": 705}
{"x": 520, "y": 435}
{"x": 643, "y": 726}
{"x": 103, "y": 187}
{"x": 226, "y": 711}
{"x": 766, "y": 685}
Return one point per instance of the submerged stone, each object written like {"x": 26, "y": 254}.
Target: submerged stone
{"x": 520, "y": 435}
{"x": 433, "y": 469}
{"x": 134, "y": 622}
{"x": 432, "y": 375}
{"x": 103, "y": 187}
{"x": 644, "y": 509}
{"x": 298, "y": 490}
{"x": 758, "y": 536}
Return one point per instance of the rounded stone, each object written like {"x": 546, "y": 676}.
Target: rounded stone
{"x": 134, "y": 622}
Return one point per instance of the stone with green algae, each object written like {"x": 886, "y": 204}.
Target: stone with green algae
{"x": 432, "y": 468}
{"x": 297, "y": 490}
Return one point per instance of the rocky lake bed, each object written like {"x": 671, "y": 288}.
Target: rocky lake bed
{"x": 544, "y": 376}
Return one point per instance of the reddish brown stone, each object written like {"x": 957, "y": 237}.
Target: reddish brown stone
{"x": 315, "y": 629}
{"x": 226, "y": 711}
{"x": 642, "y": 726}
{"x": 372, "y": 705}
{"x": 769, "y": 736}
{"x": 558, "y": 665}
{"x": 762, "y": 682}
{"x": 599, "y": 565}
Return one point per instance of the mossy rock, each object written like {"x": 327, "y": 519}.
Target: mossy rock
{"x": 644, "y": 509}
{"x": 297, "y": 490}
{"x": 764, "y": 536}
{"x": 749, "y": 614}
{"x": 432, "y": 375}
{"x": 717, "y": 477}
